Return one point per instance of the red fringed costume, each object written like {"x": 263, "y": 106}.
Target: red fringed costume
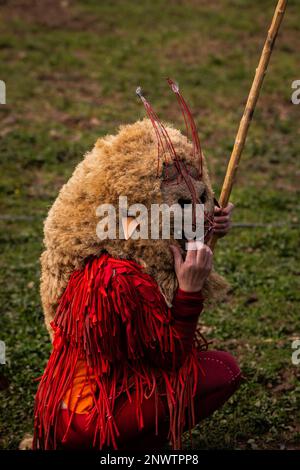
{"x": 113, "y": 320}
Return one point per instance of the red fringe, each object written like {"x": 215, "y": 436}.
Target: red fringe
{"x": 109, "y": 315}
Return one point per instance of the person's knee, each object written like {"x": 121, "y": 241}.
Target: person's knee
{"x": 233, "y": 370}
{"x": 230, "y": 363}
{"x": 223, "y": 369}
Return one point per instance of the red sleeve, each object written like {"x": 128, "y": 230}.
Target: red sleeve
{"x": 186, "y": 309}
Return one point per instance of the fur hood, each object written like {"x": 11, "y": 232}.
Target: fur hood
{"x": 120, "y": 165}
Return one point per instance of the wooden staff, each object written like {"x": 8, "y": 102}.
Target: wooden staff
{"x": 249, "y": 109}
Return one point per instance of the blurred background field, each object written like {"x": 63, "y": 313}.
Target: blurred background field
{"x": 71, "y": 69}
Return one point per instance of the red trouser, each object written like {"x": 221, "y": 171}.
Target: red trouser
{"x": 221, "y": 378}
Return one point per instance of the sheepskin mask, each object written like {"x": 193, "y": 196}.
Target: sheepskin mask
{"x": 122, "y": 164}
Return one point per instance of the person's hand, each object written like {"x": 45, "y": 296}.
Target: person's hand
{"x": 193, "y": 271}
{"x": 222, "y": 220}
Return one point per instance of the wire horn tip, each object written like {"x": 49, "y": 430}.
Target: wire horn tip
{"x": 139, "y": 91}
{"x": 174, "y": 85}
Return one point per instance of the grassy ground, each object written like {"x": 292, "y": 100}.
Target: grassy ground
{"x": 71, "y": 69}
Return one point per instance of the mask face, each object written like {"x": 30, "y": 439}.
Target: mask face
{"x": 175, "y": 190}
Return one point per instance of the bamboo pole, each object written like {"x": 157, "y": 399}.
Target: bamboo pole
{"x": 249, "y": 109}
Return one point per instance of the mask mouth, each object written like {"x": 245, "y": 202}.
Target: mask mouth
{"x": 208, "y": 222}
{"x": 184, "y": 203}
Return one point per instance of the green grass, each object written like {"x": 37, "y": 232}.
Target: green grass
{"x": 71, "y": 74}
